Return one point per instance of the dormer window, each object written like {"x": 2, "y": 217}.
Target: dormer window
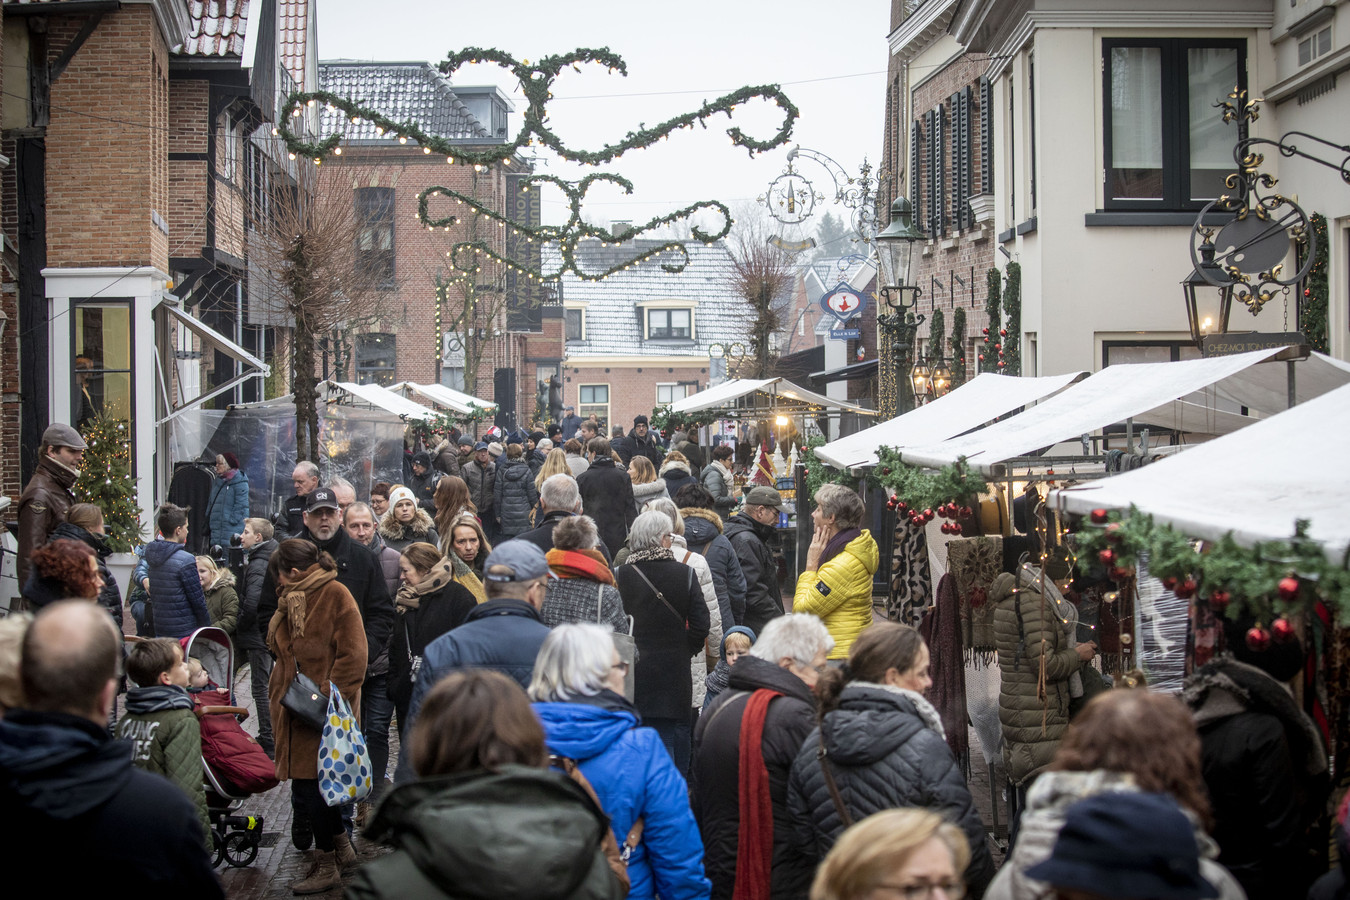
{"x": 574, "y": 323}
{"x": 670, "y": 324}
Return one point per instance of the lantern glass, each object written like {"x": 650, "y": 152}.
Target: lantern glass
{"x": 940, "y": 379}
{"x": 921, "y": 378}
{"x": 1208, "y": 292}
{"x": 895, "y": 245}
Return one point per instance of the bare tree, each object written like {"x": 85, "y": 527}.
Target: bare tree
{"x": 763, "y": 274}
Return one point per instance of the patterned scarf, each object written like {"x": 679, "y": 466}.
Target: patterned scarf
{"x": 294, "y": 596}
{"x": 587, "y": 564}
{"x": 438, "y": 576}
{"x": 655, "y": 553}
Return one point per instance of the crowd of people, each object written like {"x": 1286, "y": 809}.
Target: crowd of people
{"x": 602, "y": 687}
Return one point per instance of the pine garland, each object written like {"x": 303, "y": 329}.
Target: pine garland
{"x": 106, "y": 481}
{"x": 818, "y": 473}
{"x": 920, "y": 489}
{"x": 430, "y": 431}
{"x": 1312, "y": 314}
{"x": 989, "y": 362}
{"x": 1265, "y": 581}
{"x": 1012, "y": 333}
{"x": 937, "y": 334}
{"x": 957, "y": 341}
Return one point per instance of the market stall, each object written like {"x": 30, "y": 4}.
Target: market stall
{"x": 442, "y": 397}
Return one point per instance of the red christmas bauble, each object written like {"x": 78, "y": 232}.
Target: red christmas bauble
{"x": 1098, "y": 516}
{"x": 1186, "y": 589}
{"x": 1288, "y": 588}
{"x": 1220, "y": 599}
{"x": 901, "y": 505}
{"x": 1307, "y": 292}
{"x": 981, "y": 357}
{"x": 1120, "y": 573}
{"x": 1001, "y": 363}
{"x": 985, "y": 330}
{"x": 1258, "y": 639}
{"x": 1107, "y": 556}
{"x": 1170, "y": 583}
{"x": 967, "y": 512}
{"x": 1283, "y": 631}
{"x": 1003, "y": 332}
{"x": 886, "y": 471}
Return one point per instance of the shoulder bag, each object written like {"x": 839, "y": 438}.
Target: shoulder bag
{"x": 304, "y": 700}
{"x": 626, "y": 644}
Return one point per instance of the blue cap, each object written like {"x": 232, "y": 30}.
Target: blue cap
{"x": 480, "y": 446}
{"x": 525, "y": 560}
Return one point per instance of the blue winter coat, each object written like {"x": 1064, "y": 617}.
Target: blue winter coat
{"x": 175, "y": 590}
{"x": 228, "y": 507}
{"x": 634, "y": 778}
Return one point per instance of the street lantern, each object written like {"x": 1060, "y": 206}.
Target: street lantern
{"x": 920, "y": 378}
{"x": 1209, "y": 295}
{"x": 895, "y": 249}
{"x": 940, "y": 379}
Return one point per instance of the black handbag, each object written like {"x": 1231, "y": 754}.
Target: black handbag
{"x": 304, "y": 700}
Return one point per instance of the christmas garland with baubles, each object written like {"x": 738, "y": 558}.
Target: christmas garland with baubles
{"x": 924, "y": 495}
{"x": 1266, "y": 582}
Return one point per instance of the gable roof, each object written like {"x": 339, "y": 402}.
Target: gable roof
{"x": 216, "y": 28}
{"x": 403, "y": 91}
{"x": 613, "y": 318}
{"x": 293, "y": 37}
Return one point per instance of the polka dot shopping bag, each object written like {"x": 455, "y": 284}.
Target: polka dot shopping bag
{"x": 344, "y": 761}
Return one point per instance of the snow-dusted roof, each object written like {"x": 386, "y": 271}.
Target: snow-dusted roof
{"x": 411, "y": 92}
{"x": 216, "y": 28}
{"x": 614, "y": 318}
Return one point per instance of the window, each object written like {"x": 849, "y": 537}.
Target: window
{"x": 1314, "y": 46}
{"x": 103, "y": 361}
{"x": 375, "y": 237}
{"x": 670, "y": 324}
{"x": 375, "y": 359}
{"x": 574, "y": 324}
{"x": 669, "y": 393}
{"x": 1166, "y": 145}
{"x": 593, "y": 399}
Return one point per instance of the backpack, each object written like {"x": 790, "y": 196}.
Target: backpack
{"x": 617, "y": 859}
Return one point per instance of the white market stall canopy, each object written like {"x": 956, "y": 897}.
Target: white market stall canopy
{"x": 729, "y": 392}
{"x": 375, "y": 396}
{"x": 1254, "y": 483}
{"x": 442, "y": 396}
{"x": 1121, "y": 392}
{"x": 980, "y": 400}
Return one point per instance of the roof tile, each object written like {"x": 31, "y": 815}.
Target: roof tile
{"x": 411, "y": 92}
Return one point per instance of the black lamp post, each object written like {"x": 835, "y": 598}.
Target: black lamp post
{"x": 895, "y": 254}
{"x": 1209, "y": 295}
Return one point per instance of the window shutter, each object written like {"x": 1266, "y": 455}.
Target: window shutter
{"x": 964, "y": 160}
{"x": 986, "y": 136}
{"x": 915, "y": 183}
{"x": 930, "y": 170}
{"x": 939, "y": 173}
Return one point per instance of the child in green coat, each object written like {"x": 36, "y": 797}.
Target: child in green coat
{"x": 160, "y": 723}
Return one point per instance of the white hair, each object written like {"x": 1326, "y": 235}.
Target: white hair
{"x": 574, "y": 660}
{"x": 661, "y": 504}
{"x": 797, "y": 636}
{"x": 560, "y": 492}
{"x": 648, "y": 530}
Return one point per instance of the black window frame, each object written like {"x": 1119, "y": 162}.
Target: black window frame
{"x": 383, "y": 375}
{"x": 375, "y": 215}
{"x": 670, "y": 332}
{"x": 1174, "y": 111}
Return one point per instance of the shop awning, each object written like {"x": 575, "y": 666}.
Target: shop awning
{"x": 983, "y": 398}
{"x": 376, "y": 396}
{"x": 1254, "y": 483}
{"x": 1114, "y": 394}
{"x": 253, "y": 366}
{"x": 442, "y": 396}
{"x": 728, "y": 393}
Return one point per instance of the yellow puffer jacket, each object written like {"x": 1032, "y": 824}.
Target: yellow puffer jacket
{"x": 840, "y": 592}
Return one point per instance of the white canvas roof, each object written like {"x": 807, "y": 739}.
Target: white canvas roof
{"x": 381, "y": 398}
{"x": 1254, "y": 483}
{"x": 728, "y": 392}
{"x": 1112, "y": 395}
{"x": 441, "y": 395}
{"x": 985, "y": 397}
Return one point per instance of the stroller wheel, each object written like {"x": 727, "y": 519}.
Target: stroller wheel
{"x": 240, "y": 849}
{"x": 218, "y": 848}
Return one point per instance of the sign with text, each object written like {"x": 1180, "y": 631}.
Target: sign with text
{"x": 1232, "y": 344}
{"x": 845, "y": 334}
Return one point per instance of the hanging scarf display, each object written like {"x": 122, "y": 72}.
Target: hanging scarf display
{"x": 974, "y": 563}
{"x": 911, "y": 581}
{"x": 941, "y": 630}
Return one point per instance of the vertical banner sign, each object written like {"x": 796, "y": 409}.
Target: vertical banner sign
{"x": 845, "y": 304}
{"x": 524, "y": 311}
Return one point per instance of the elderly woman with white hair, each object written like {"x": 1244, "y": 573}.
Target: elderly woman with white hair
{"x": 578, "y": 692}
{"x": 670, "y": 623}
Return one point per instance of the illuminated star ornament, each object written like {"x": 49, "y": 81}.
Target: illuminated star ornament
{"x": 536, "y": 81}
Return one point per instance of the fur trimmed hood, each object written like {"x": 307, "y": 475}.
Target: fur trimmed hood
{"x": 694, "y": 512}
{"x": 672, "y": 465}
{"x": 224, "y": 578}
{"x": 392, "y": 530}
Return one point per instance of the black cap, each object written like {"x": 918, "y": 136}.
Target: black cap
{"x": 323, "y": 498}
{"x": 422, "y": 459}
{"x": 639, "y": 420}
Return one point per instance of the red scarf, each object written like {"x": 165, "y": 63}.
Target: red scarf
{"x": 754, "y": 858}
{"x": 588, "y": 564}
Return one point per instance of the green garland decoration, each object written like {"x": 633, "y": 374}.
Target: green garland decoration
{"x": 1266, "y": 581}
{"x": 442, "y": 423}
{"x": 1012, "y": 332}
{"x": 536, "y": 81}
{"x": 106, "y": 481}
{"x": 937, "y": 332}
{"x": 989, "y": 362}
{"x": 921, "y": 489}
{"x": 467, "y": 256}
{"x": 957, "y": 342}
{"x": 1312, "y": 308}
{"x": 817, "y": 472}
{"x": 665, "y": 420}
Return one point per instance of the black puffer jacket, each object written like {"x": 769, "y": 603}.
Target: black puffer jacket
{"x": 714, "y": 774}
{"x": 885, "y": 750}
{"x": 248, "y": 632}
{"x": 754, "y": 545}
{"x": 109, "y": 597}
{"x": 607, "y": 497}
{"x": 515, "y": 496}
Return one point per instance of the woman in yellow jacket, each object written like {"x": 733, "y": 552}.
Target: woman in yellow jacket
{"x": 837, "y": 582}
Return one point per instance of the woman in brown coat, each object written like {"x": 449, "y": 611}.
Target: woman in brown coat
{"x": 317, "y": 629}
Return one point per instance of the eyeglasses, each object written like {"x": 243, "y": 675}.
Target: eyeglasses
{"x": 621, "y": 666}
{"x": 952, "y": 890}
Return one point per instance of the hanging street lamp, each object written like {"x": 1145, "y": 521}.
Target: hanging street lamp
{"x": 895, "y": 257}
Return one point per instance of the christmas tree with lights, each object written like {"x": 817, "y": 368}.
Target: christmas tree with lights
{"x": 106, "y": 481}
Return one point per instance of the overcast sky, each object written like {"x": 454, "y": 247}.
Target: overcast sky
{"x": 831, "y": 62}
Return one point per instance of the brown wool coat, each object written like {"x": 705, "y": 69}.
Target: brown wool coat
{"x": 333, "y": 648}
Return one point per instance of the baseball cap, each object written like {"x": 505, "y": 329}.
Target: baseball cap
{"x": 479, "y": 446}
{"x": 763, "y": 496}
{"x": 423, "y": 459}
{"x": 569, "y": 406}
{"x": 59, "y": 435}
{"x": 525, "y": 560}
{"x": 323, "y": 498}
